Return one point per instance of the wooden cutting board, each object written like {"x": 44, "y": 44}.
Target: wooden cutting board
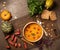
{"x": 19, "y": 9}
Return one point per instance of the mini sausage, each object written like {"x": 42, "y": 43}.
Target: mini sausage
{"x": 10, "y": 42}
{"x": 7, "y": 37}
{"x": 8, "y": 47}
{"x": 15, "y": 40}
{"x": 17, "y": 32}
{"x": 12, "y": 37}
{"x": 25, "y": 45}
{"x": 15, "y": 45}
{"x": 19, "y": 45}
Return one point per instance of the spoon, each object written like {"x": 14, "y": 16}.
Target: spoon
{"x": 39, "y": 22}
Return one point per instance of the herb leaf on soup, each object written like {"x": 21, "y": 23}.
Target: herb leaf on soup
{"x": 33, "y": 34}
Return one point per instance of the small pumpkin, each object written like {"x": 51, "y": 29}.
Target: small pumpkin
{"x": 6, "y": 27}
{"x": 5, "y": 15}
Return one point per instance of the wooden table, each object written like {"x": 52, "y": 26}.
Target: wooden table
{"x": 19, "y": 10}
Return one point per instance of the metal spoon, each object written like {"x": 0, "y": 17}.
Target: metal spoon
{"x": 42, "y": 27}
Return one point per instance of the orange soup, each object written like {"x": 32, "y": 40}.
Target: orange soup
{"x": 33, "y": 32}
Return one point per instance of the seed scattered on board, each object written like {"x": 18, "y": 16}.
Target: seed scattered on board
{"x": 49, "y": 34}
{"x": 51, "y": 29}
{"x": 42, "y": 22}
{"x": 43, "y": 25}
{"x": 4, "y": 4}
{"x": 5, "y": 8}
{"x": 46, "y": 28}
{"x": 15, "y": 17}
{"x": 52, "y": 24}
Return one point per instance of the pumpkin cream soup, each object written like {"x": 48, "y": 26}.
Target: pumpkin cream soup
{"x": 33, "y": 32}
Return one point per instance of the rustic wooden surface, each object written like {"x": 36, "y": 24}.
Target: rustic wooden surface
{"x": 18, "y": 9}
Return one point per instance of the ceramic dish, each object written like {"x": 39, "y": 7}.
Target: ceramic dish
{"x": 32, "y": 32}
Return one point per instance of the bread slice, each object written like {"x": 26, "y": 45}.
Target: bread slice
{"x": 53, "y": 16}
{"x": 45, "y": 14}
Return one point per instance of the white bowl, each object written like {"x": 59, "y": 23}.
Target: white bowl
{"x": 24, "y": 32}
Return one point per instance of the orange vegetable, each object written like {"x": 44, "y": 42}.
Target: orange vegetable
{"x": 5, "y": 15}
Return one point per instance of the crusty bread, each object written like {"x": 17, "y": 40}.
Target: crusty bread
{"x": 53, "y": 16}
{"x": 45, "y": 14}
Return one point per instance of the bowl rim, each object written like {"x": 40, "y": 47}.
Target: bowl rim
{"x": 26, "y": 26}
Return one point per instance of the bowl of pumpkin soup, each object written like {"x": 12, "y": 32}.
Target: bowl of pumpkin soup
{"x": 32, "y": 32}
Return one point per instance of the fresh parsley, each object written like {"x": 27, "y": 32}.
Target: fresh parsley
{"x": 35, "y": 6}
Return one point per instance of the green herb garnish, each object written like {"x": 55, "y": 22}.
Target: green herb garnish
{"x": 33, "y": 34}
{"x": 35, "y": 6}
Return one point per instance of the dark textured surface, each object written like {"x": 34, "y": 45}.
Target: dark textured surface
{"x": 18, "y": 8}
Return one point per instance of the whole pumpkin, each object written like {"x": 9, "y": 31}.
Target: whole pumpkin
{"x": 5, "y": 15}
{"x": 6, "y": 27}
